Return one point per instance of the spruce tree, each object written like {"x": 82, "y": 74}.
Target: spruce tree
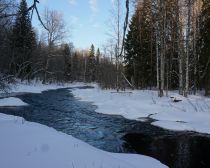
{"x": 130, "y": 50}
{"x": 91, "y": 65}
{"x": 138, "y": 49}
{"x": 98, "y": 54}
{"x": 92, "y": 51}
{"x": 23, "y": 42}
{"x": 67, "y": 60}
{"x": 204, "y": 44}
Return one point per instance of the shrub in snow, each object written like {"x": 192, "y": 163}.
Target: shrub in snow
{"x": 5, "y": 82}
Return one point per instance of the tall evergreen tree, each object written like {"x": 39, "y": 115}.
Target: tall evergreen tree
{"x": 98, "y": 55}
{"x": 98, "y": 58}
{"x": 91, "y": 65}
{"x": 139, "y": 48}
{"x": 204, "y": 44}
{"x": 131, "y": 51}
{"x": 67, "y": 59}
{"x": 92, "y": 51}
{"x": 23, "y": 42}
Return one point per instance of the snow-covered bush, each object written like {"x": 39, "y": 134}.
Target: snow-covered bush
{"x": 5, "y": 82}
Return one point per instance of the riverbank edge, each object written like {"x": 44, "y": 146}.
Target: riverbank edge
{"x": 13, "y": 128}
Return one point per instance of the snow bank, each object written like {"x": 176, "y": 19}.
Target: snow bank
{"x": 32, "y": 87}
{"x": 38, "y": 87}
{"x": 191, "y": 114}
{"x": 125, "y": 104}
{"x": 11, "y": 102}
{"x": 37, "y": 146}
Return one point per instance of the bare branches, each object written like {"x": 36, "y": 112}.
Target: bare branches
{"x": 125, "y": 26}
{"x": 7, "y": 9}
{"x": 55, "y": 26}
{"x": 7, "y": 15}
{"x": 32, "y": 8}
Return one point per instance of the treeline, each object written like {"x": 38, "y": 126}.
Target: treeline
{"x": 25, "y": 55}
{"x": 167, "y": 45}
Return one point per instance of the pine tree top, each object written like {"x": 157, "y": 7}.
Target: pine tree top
{"x": 92, "y": 51}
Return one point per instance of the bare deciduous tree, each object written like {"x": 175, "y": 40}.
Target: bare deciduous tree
{"x": 56, "y": 31}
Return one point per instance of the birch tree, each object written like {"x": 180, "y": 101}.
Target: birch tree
{"x": 55, "y": 30}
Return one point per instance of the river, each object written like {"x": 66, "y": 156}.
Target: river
{"x": 61, "y": 110}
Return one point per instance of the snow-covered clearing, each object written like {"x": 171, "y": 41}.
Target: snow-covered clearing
{"x": 25, "y": 144}
{"x": 191, "y": 114}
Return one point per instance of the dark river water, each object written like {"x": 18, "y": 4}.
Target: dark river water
{"x": 60, "y": 110}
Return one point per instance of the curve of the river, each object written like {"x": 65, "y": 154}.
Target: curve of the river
{"x": 61, "y": 110}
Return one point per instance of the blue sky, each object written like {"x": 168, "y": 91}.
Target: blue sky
{"x": 87, "y": 20}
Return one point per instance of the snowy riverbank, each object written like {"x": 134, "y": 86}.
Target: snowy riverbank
{"x": 8, "y": 99}
{"x": 37, "y": 87}
{"x": 25, "y": 144}
{"x": 191, "y": 114}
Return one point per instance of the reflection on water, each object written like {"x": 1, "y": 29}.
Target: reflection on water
{"x": 180, "y": 151}
{"x": 60, "y": 110}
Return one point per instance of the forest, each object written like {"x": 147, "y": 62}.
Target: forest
{"x": 77, "y": 91}
{"x": 161, "y": 45}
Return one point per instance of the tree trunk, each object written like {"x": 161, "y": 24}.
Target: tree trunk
{"x": 163, "y": 48}
{"x": 157, "y": 63}
{"x": 187, "y": 48}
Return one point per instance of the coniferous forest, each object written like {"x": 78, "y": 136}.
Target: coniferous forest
{"x": 162, "y": 45}
{"x": 167, "y": 46}
{"x": 26, "y": 55}
{"x": 104, "y": 83}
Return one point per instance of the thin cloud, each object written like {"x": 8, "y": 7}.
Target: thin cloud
{"x": 74, "y": 20}
{"x": 96, "y": 26}
{"x": 72, "y": 2}
{"x": 93, "y": 6}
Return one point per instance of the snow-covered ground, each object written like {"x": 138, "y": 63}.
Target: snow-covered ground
{"x": 32, "y": 87}
{"x": 38, "y": 87}
{"x": 191, "y": 114}
{"x": 11, "y": 101}
{"x": 25, "y": 144}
